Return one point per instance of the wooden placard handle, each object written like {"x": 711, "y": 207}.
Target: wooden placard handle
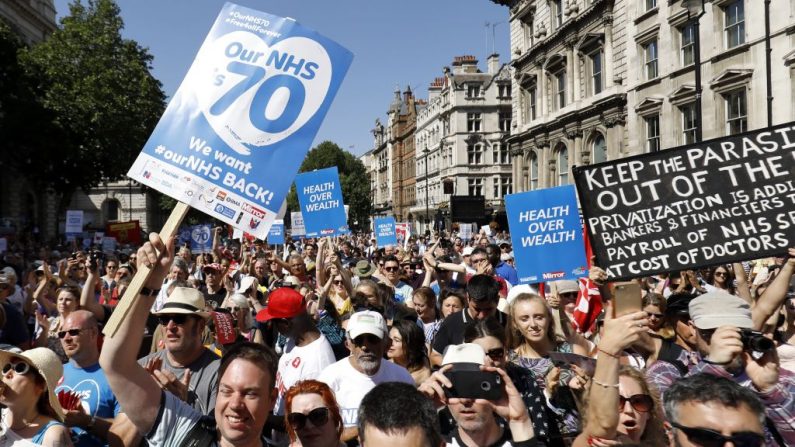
{"x": 142, "y": 274}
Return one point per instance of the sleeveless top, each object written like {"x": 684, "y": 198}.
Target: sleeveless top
{"x": 9, "y": 438}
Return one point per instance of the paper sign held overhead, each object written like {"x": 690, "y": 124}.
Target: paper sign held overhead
{"x": 715, "y": 202}
{"x": 276, "y": 233}
{"x": 546, "y": 234}
{"x": 385, "y": 233}
{"x": 234, "y": 134}
{"x": 320, "y": 195}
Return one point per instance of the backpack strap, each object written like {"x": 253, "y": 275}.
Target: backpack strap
{"x": 670, "y": 352}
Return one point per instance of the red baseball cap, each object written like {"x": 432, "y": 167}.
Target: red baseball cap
{"x": 283, "y": 302}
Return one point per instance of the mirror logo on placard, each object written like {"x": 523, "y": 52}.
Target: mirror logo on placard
{"x": 254, "y": 95}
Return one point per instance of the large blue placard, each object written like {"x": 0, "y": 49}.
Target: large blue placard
{"x": 233, "y": 136}
{"x": 320, "y": 195}
{"x": 385, "y": 233}
{"x": 276, "y": 233}
{"x": 546, "y": 234}
{"x": 201, "y": 238}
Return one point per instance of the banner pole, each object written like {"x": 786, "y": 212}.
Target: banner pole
{"x": 142, "y": 274}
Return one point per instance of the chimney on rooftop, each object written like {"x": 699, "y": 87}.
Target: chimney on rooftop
{"x": 493, "y": 63}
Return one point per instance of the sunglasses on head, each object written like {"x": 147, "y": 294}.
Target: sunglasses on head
{"x": 496, "y": 354}
{"x": 640, "y": 402}
{"x": 178, "y": 319}
{"x": 20, "y": 368}
{"x": 317, "y": 417}
{"x": 72, "y": 332}
{"x": 711, "y": 438}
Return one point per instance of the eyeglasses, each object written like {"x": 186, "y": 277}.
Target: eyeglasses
{"x": 71, "y": 332}
{"x": 640, "y": 402}
{"x": 20, "y": 368}
{"x": 711, "y": 438}
{"x": 178, "y": 319}
{"x": 391, "y": 269}
{"x": 318, "y": 417}
{"x": 496, "y": 354}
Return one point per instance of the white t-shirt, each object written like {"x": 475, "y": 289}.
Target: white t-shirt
{"x": 350, "y": 386}
{"x": 300, "y": 363}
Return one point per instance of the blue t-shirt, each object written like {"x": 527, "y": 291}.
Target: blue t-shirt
{"x": 508, "y": 273}
{"x": 95, "y": 396}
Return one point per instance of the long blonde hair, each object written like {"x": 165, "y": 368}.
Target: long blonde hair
{"x": 514, "y": 337}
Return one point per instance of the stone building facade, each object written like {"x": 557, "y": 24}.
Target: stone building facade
{"x": 460, "y": 138}
{"x": 604, "y": 79}
{"x": 402, "y": 123}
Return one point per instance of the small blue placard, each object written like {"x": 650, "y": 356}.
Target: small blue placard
{"x": 201, "y": 238}
{"x": 276, "y": 233}
{"x": 546, "y": 234}
{"x": 385, "y": 231}
{"x": 320, "y": 195}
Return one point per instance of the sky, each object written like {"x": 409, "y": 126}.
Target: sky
{"x": 395, "y": 43}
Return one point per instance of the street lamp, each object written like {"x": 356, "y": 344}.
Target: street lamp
{"x": 427, "y": 213}
{"x": 695, "y": 10}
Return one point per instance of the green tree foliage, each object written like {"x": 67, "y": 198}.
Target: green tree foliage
{"x": 98, "y": 89}
{"x": 353, "y": 176}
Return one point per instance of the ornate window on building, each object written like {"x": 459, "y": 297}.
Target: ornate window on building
{"x": 687, "y": 38}
{"x": 475, "y": 154}
{"x": 473, "y": 122}
{"x": 473, "y": 90}
{"x": 596, "y": 60}
{"x": 504, "y": 91}
{"x": 652, "y": 133}
{"x": 112, "y": 207}
{"x": 736, "y": 112}
{"x": 598, "y": 149}
{"x": 475, "y": 186}
{"x": 734, "y": 23}
{"x": 533, "y": 170}
{"x": 650, "y": 59}
{"x": 560, "y": 89}
{"x": 502, "y": 186}
{"x": 561, "y": 155}
{"x": 504, "y": 118}
{"x": 688, "y": 112}
{"x": 500, "y": 153}
{"x": 556, "y": 11}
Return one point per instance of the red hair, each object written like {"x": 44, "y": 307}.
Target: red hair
{"x": 312, "y": 387}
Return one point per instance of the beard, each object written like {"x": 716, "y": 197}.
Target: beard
{"x": 369, "y": 363}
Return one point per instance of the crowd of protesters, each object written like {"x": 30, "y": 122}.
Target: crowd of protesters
{"x": 337, "y": 341}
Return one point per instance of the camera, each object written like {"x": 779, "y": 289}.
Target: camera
{"x": 756, "y": 341}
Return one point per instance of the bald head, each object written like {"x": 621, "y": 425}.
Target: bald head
{"x": 82, "y": 319}
{"x": 79, "y": 338}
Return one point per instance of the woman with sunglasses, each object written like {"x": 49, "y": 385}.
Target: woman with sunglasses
{"x": 654, "y": 305}
{"x": 407, "y": 349}
{"x": 32, "y": 415}
{"x": 313, "y": 416}
{"x": 67, "y": 301}
{"x": 490, "y": 335}
{"x": 620, "y": 405}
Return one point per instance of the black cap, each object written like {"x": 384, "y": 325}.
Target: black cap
{"x": 678, "y": 304}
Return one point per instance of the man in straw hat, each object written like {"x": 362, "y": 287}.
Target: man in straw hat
{"x": 246, "y": 377}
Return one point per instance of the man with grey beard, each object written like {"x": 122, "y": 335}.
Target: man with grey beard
{"x": 352, "y": 377}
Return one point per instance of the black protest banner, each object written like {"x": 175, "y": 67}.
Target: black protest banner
{"x": 719, "y": 201}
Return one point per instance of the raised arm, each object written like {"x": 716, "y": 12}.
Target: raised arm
{"x": 743, "y": 290}
{"x": 88, "y": 300}
{"x": 134, "y": 388}
{"x": 320, "y": 262}
{"x": 775, "y": 294}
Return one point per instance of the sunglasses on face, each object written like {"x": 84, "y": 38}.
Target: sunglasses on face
{"x": 338, "y": 282}
{"x": 20, "y": 368}
{"x": 720, "y": 274}
{"x": 496, "y": 354}
{"x": 391, "y": 269}
{"x": 478, "y": 261}
{"x": 369, "y": 339}
{"x": 178, "y": 319}
{"x": 710, "y": 438}
{"x": 72, "y": 332}
{"x": 317, "y": 417}
{"x": 640, "y": 402}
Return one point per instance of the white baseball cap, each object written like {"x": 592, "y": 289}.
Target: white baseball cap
{"x": 366, "y": 322}
{"x": 464, "y": 353}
